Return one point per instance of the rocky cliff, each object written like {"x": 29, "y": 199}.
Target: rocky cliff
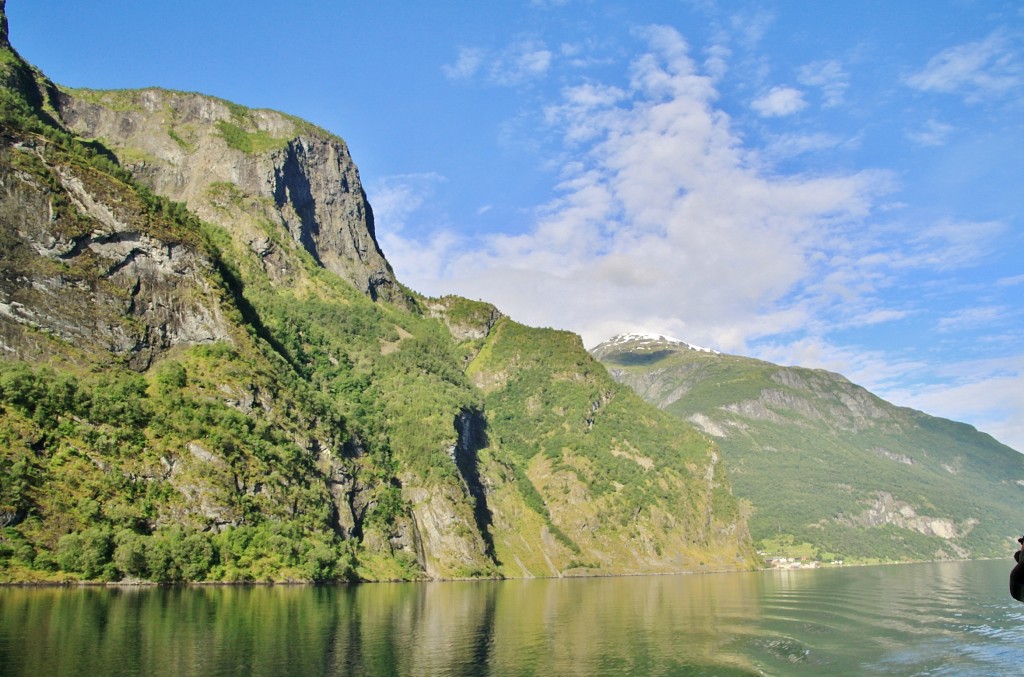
{"x": 84, "y": 266}
{"x": 248, "y": 169}
{"x": 209, "y": 372}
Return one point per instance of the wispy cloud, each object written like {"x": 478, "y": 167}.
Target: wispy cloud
{"x": 518, "y": 63}
{"x": 948, "y": 244}
{"x": 418, "y": 253}
{"x": 989, "y": 392}
{"x": 467, "y": 64}
{"x": 932, "y": 133}
{"x": 523, "y": 61}
{"x": 671, "y": 218}
{"x": 976, "y": 70}
{"x": 783, "y": 146}
{"x": 872, "y": 369}
{"x": 971, "y": 317}
{"x": 396, "y": 197}
{"x": 830, "y": 77}
{"x": 751, "y": 26}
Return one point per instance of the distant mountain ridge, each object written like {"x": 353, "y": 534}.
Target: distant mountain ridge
{"x": 828, "y": 468}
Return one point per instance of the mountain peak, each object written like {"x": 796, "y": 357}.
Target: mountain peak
{"x": 644, "y": 342}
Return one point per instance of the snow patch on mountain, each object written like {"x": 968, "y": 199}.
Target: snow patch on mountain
{"x": 646, "y": 341}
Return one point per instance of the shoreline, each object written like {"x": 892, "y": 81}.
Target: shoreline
{"x": 139, "y": 584}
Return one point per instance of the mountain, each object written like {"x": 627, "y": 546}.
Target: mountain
{"x": 208, "y": 371}
{"x": 828, "y": 468}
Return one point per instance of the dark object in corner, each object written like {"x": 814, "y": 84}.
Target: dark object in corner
{"x": 1017, "y": 575}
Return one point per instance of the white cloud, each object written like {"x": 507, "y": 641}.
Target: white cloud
{"x": 976, "y": 70}
{"x": 990, "y": 393}
{"x": 717, "y": 62}
{"x": 874, "y": 370}
{"x": 779, "y": 102}
{"x": 752, "y": 25}
{"x": 879, "y": 316}
{"x": 663, "y": 222}
{"x": 394, "y": 198}
{"x": 952, "y": 244}
{"x": 416, "y": 253}
{"x": 1011, "y": 281}
{"x": 422, "y": 259}
{"x": 667, "y": 220}
{"x": 971, "y": 317}
{"x": 784, "y": 146}
{"x": 521, "y": 62}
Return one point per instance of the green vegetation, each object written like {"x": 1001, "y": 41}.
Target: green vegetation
{"x": 556, "y": 403}
{"x": 241, "y": 139}
{"x": 95, "y": 457}
{"x": 828, "y": 465}
{"x": 239, "y": 134}
{"x": 182, "y": 143}
{"x": 125, "y": 100}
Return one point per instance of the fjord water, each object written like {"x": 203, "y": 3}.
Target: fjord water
{"x": 922, "y": 619}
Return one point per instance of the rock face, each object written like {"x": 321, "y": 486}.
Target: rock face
{"x": 80, "y": 265}
{"x": 258, "y": 169}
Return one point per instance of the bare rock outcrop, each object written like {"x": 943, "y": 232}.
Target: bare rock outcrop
{"x": 258, "y": 172}
{"x": 79, "y": 264}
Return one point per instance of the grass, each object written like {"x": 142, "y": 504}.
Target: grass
{"x": 248, "y": 142}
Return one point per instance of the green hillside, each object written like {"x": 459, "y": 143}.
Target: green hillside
{"x": 209, "y": 373}
{"x": 829, "y": 468}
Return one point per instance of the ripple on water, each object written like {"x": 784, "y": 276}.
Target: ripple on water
{"x": 789, "y": 649}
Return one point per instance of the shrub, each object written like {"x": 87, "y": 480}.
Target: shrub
{"x": 130, "y": 554}
{"x": 87, "y": 553}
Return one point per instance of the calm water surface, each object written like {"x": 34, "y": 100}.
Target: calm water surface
{"x": 923, "y": 619}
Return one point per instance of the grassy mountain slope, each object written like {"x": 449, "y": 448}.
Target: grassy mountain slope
{"x": 208, "y": 372}
{"x": 829, "y": 468}
{"x": 615, "y": 482}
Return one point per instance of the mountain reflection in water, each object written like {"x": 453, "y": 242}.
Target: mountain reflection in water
{"x": 942, "y": 618}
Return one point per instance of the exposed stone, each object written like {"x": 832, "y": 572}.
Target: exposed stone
{"x": 85, "y": 271}
{"x": 299, "y": 179}
{"x": 886, "y": 509}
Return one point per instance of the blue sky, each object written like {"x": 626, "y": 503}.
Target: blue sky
{"x": 833, "y": 185}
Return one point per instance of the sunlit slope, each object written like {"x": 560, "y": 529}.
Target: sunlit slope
{"x": 824, "y": 462}
{"x": 614, "y": 482}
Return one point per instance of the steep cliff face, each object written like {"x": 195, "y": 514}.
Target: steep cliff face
{"x": 82, "y": 265}
{"x": 248, "y": 169}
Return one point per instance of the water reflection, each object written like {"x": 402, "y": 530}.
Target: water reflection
{"x": 941, "y": 618}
